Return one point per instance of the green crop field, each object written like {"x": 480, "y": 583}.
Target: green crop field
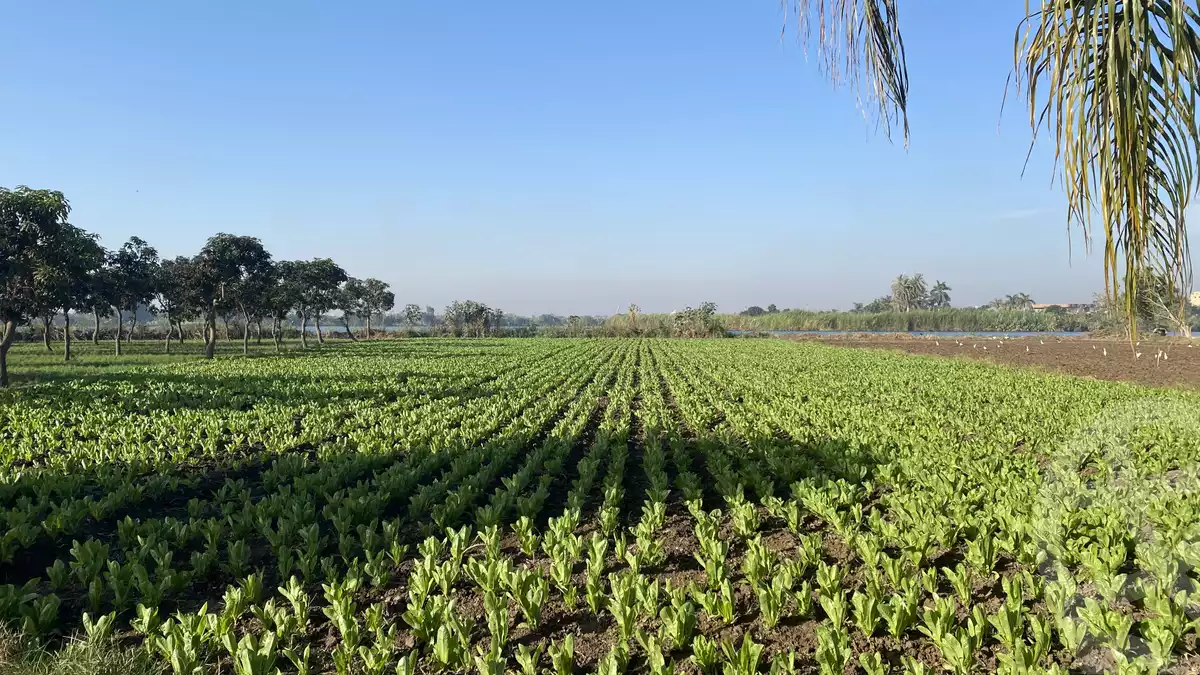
{"x": 567, "y": 506}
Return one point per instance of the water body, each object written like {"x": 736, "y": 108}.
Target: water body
{"x": 918, "y": 333}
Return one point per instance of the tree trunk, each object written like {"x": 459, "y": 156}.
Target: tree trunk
{"x": 179, "y": 327}
{"x": 320, "y": 337}
{"x": 277, "y": 334}
{"x": 46, "y": 321}
{"x": 66, "y": 335}
{"x": 368, "y": 326}
{"x": 6, "y": 339}
{"x": 225, "y": 320}
{"x": 132, "y": 325}
{"x": 96, "y": 332}
{"x": 117, "y": 337}
{"x": 210, "y": 334}
{"x": 346, "y": 323}
{"x": 246, "y": 334}
{"x": 258, "y": 332}
{"x": 304, "y": 330}
{"x": 170, "y": 330}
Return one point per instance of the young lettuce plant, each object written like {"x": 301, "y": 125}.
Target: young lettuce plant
{"x": 623, "y": 604}
{"x": 961, "y": 580}
{"x": 562, "y": 655}
{"x": 614, "y": 662}
{"x": 759, "y": 562}
{"x": 872, "y": 663}
{"x": 342, "y": 613}
{"x": 938, "y": 621}
{"x": 526, "y": 536}
{"x": 488, "y": 661}
{"x": 99, "y": 631}
{"x": 705, "y": 654}
{"x": 835, "y": 606}
{"x": 678, "y": 622}
{"x": 530, "y": 590}
{"x": 771, "y": 599}
{"x": 866, "y": 610}
{"x": 254, "y": 656}
{"x": 496, "y": 610}
{"x": 899, "y": 613}
{"x": 656, "y": 658}
{"x": 490, "y": 574}
{"x": 449, "y": 647}
{"x": 833, "y": 650}
{"x": 374, "y": 658}
{"x": 528, "y": 658}
{"x": 741, "y": 660}
{"x": 301, "y": 660}
{"x": 784, "y": 663}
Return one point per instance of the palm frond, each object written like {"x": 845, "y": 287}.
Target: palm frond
{"x": 859, "y": 43}
{"x": 1114, "y": 82}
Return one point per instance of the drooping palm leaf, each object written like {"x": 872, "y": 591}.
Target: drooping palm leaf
{"x": 859, "y": 43}
{"x": 1114, "y": 82}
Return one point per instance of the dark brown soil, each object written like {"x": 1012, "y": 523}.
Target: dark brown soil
{"x": 1083, "y": 357}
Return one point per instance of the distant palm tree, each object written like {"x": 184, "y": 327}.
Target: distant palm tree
{"x": 909, "y": 293}
{"x": 902, "y": 293}
{"x": 918, "y": 291}
{"x": 1021, "y": 301}
{"x": 1112, "y": 83}
{"x": 939, "y": 295}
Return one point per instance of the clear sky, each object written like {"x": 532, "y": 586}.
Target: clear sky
{"x": 539, "y": 156}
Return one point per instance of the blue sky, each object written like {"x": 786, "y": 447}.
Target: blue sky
{"x": 539, "y": 156}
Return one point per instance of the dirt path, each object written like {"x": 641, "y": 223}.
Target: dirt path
{"x": 1083, "y": 357}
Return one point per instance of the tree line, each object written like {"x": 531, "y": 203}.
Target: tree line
{"x": 909, "y": 293}
{"x": 49, "y": 267}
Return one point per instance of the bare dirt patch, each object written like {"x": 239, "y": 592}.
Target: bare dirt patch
{"x": 1083, "y": 357}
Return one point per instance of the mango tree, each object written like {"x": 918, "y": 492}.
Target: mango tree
{"x": 33, "y": 225}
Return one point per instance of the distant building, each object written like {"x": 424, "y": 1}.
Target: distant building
{"x": 1069, "y": 307}
{"x": 1196, "y": 299}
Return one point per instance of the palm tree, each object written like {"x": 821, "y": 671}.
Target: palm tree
{"x": 917, "y": 291}
{"x": 1112, "y": 82}
{"x": 939, "y": 295}
{"x": 902, "y": 298}
{"x": 909, "y": 293}
{"x": 1021, "y": 301}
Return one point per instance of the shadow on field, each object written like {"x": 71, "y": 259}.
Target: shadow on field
{"x": 310, "y": 477}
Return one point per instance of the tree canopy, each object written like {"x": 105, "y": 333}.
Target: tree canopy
{"x": 49, "y": 267}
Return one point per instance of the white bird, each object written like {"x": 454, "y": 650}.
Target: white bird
{"x": 939, "y": 344}
{"x": 1138, "y": 355}
{"x": 1106, "y": 351}
{"x": 1042, "y": 341}
{"x": 1093, "y": 347}
{"x": 1026, "y": 349}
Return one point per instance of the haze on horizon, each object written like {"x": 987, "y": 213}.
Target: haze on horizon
{"x": 541, "y": 157}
